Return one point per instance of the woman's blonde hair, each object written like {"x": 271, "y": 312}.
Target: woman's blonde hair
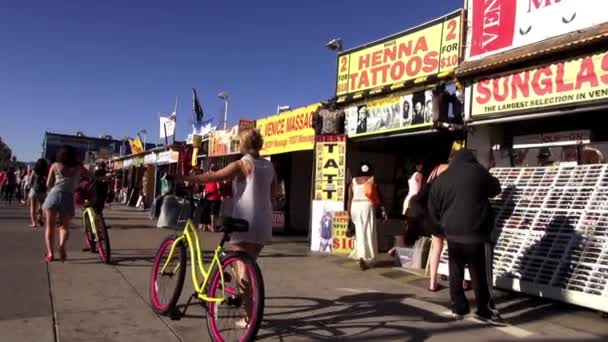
{"x": 251, "y": 141}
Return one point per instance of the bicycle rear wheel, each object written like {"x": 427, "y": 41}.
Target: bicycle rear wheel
{"x": 89, "y": 238}
{"x": 103, "y": 241}
{"x": 166, "y": 285}
{"x": 240, "y": 316}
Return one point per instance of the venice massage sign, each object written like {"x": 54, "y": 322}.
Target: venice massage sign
{"x": 289, "y": 131}
{"x": 426, "y": 50}
{"x": 564, "y": 83}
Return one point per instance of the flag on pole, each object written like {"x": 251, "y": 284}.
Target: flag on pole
{"x": 196, "y": 107}
{"x": 167, "y": 126}
{"x": 136, "y": 146}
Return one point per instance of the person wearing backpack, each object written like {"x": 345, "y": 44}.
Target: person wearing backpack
{"x": 37, "y": 192}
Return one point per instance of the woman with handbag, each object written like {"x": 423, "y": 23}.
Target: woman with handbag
{"x": 363, "y": 200}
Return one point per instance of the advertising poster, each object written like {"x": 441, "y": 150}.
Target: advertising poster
{"x": 390, "y": 114}
{"x": 278, "y": 221}
{"x": 222, "y": 143}
{"x": 330, "y": 170}
{"x": 501, "y": 25}
{"x": 429, "y": 49}
{"x": 342, "y": 245}
{"x": 289, "y": 131}
{"x": 322, "y": 225}
{"x": 569, "y": 82}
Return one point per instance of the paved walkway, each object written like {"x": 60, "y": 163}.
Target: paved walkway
{"x": 309, "y": 297}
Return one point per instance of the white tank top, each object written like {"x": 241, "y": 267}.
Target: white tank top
{"x": 413, "y": 189}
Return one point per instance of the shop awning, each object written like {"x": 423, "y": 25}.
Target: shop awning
{"x": 571, "y": 41}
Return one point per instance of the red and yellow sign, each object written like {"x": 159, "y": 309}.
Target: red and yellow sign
{"x": 430, "y": 49}
{"x": 289, "y": 131}
{"x": 565, "y": 83}
{"x": 222, "y": 143}
{"x": 341, "y": 244}
{"x": 330, "y": 171}
{"x": 136, "y": 146}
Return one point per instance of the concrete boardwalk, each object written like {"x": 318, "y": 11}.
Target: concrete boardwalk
{"x": 309, "y": 297}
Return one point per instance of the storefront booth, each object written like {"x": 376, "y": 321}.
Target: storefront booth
{"x": 394, "y": 118}
{"x": 289, "y": 141}
{"x": 535, "y": 106}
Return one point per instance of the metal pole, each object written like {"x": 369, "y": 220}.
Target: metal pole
{"x": 225, "y": 112}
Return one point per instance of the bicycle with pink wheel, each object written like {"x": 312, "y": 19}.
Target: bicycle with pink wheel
{"x": 231, "y": 287}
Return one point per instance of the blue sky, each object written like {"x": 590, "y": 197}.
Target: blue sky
{"x": 110, "y": 66}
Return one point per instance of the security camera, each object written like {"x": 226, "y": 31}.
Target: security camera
{"x": 334, "y": 44}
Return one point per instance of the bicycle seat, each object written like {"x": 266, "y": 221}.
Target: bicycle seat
{"x": 232, "y": 225}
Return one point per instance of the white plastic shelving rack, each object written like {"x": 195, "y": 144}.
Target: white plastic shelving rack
{"x": 551, "y": 233}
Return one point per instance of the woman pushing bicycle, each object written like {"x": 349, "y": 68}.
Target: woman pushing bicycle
{"x": 63, "y": 179}
{"x": 254, "y": 183}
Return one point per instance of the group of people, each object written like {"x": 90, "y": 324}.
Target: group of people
{"x": 15, "y": 183}
{"x": 450, "y": 204}
{"x": 28, "y": 186}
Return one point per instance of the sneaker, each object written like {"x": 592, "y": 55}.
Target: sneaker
{"x": 492, "y": 318}
{"x": 457, "y": 316}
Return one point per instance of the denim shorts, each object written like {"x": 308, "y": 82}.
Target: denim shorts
{"x": 63, "y": 202}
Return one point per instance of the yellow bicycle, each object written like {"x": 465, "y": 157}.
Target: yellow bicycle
{"x": 96, "y": 233}
{"x": 231, "y": 289}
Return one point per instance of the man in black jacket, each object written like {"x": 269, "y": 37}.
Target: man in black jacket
{"x": 459, "y": 202}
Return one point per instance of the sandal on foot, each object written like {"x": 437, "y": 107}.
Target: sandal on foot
{"x": 48, "y": 258}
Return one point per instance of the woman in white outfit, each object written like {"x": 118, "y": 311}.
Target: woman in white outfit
{"x": 363, "y": 199}
{"x": 253, "y": 187}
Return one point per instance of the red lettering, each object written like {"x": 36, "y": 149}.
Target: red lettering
{"x": 397, "y": 70}
{"x": 364, "y": 62}
{"x": 496, "y": 88}
{"x": 520, "y": 83}
{"x": 537, "y": 4}
{"x": 560, "y": 85}
{"x": 484, "y": 94}
{"x": 390, "y": 54}
{"x": 542, "y": 86}
{"x": 353, "y": 80}
{"x": 405, "y": 49}
{"x": 363, "y": 80}
{"x": 376, "y": 57}
{"x": 335, "y": 244}
{"x": 604, "y": 77}
{"x": 421, "y": 45}
{"x": 383, "y": 72}
{"x": 431, "y": 62}
{"x": 413, "y": 66}
{"x": 586, "y": 74}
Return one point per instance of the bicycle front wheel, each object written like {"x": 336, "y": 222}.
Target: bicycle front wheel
{"x": 168, "y": 274}
{"x": 239, "y": 317}
{"x": 103, "y": 241}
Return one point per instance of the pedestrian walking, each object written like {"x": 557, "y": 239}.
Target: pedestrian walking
{"x": 37, "y": 193}
{"x": 9, "y": 186}
{"x": 2, "y": 181}
{"x": 213, "y": 200}
{"x": 363, "y": 200}
{"x": 63, "y": 179}
{"x": 26, "y": 185}
{"x": 459, "y": 203}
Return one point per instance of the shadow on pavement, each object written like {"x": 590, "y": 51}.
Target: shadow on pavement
{"x": 359, "y": 317}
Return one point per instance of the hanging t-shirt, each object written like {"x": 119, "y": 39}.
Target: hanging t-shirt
{"x": 333, "y": 122}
